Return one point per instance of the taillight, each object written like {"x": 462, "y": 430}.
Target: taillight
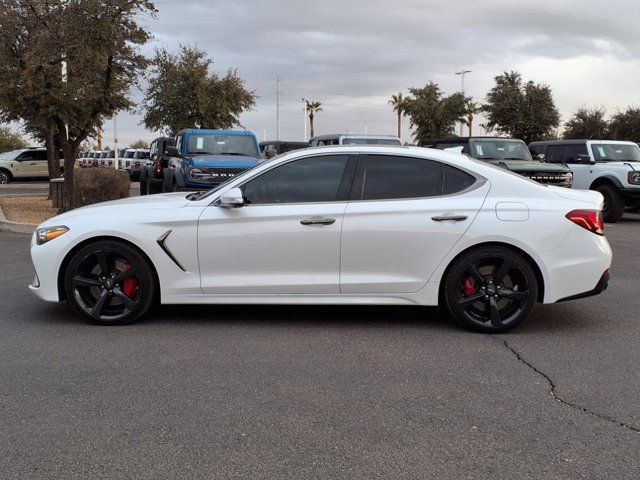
{"x": 128, "y": 163}
{"x": 588, "y": 219}
{"x": 137, "y": 164}
{"x": 157, "y": 167}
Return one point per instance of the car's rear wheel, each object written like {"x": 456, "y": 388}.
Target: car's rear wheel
{"x": 613, "y": 203}
{"x": 153, "y": 186}
{"x": 5, "y": 177}
{"x": 490, "y": 289}
{"x": 109, "y": 283}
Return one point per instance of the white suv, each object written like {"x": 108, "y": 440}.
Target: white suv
{"x": 25, "y": 163}
{"x": 610, "y": 167}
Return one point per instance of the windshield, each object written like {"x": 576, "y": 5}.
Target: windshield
{"x": 10, "y": 155}
{"x": 222, "y": 145}
{"x": 499, "y": 149}
{"x": 370, "y": 141}
{"x": 615, "y": 152}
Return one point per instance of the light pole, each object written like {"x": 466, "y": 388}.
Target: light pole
{"x": 278, "y": 105}
{"x": 304, "y": 117}
{"x": 115, "y": 140}
{"x": 462, "y": 73}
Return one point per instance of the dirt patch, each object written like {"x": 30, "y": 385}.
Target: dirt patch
{"x": 26, "y": 209}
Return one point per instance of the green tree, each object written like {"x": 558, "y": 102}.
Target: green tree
{"x": 68, "y": 65}
{"x": 520, "y": 110}
{"x": 183, "y": 93}
{"x": 433, "y": 114}
{"x": 139, "y": 144}
{"x": 10, "y": 140}
{"x": 471, "y": 109}
{"x": 312, "y": 108}
{"x": 587, "y": 123}
{"x": 626, "y": 125}
{"x": 399, "y": 104}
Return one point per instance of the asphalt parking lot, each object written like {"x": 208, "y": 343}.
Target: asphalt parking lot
{"x": 298, "y": 392}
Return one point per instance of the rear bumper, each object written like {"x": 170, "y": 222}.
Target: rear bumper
{"x": 602, "y": 285}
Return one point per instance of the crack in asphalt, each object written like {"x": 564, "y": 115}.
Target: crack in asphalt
{"x": 556, "y": 397}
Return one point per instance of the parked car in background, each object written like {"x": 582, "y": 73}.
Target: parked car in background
{"x": 152, "y": 175}
{"x": 610, "y": 167}
{"x": 508, "y": 153}
{"x": 202, "y": 159}
{"x": 354, "y": 139}
{"x": 23, "y": 163}
{"x": 272, "y": 148}
{"x": 307, "y": 228}
{"x": 132, "y": 160}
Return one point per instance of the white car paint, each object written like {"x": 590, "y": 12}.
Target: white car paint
{"x": 377, "y": 252}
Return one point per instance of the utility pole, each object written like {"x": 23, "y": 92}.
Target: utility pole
{"x": 278, "y": 105}
{"x": 115, "y": 140}
{"x": 462, "y": 73}
{"x": 304, "y": 117}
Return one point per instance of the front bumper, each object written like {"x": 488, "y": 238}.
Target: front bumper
{"x": 631, "y": 194}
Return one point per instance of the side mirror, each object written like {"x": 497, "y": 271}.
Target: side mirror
{"x": 232, "y": 198}
{"x": 173, "y": 152}
{"x": 586, "y": 159}
{"x": 540, "y": 157}
{"x": 271, "y": 152}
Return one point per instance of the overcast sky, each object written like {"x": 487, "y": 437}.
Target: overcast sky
{"x": 352, "y": 56}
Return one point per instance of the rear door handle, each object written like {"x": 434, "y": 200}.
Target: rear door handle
{"x": 318, "y": 221}
{"x": 449, "y": 218}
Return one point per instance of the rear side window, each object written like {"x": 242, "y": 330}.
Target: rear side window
{"x": 391, "y": 177}
{"x": 572, "y": 153}
{"x": 313, "y": 179}
{"x": 555, "y": 154}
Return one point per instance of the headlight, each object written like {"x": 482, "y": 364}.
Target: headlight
{"x": 46, "y": 234}
{"x": 633, "y": 178}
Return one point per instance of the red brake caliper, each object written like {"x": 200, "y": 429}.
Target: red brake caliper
{"x": 469, "y": 287}
{"x": 130, "y": 285}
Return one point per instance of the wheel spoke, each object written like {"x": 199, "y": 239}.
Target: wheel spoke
{"x": 495, "y": 313}
{"x": 97, "y": 308}
{"x": 103, "y": 262}
{"x": 475, "y": 273}
{"x": 130, "y": 272}
{"x": 515, "y": 295}
{"x": 130, "y": 304}
{"x": 86, "y": 282}
{"x": 471, "y": 299}
{"x": 502, "y": 271}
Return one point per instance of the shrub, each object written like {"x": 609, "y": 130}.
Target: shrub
{"x": 95, "y": 185}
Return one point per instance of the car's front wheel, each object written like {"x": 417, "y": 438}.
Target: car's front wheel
{"x": 109, "y": 283}
{"x": 5, "y": 177}
{"x": 613, "y": 209}
{"x": 490, "y": 289}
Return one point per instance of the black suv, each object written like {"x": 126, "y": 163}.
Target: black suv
{"x": 152, "y": 176}
{"x": 509, "y": 153}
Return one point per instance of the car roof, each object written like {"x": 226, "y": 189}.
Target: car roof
{"x": 350, "y": 135}
{"x": 195, "y": 131}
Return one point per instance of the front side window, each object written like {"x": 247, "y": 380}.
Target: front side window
{"x": 391, "y": 177}
{"x": 615, "y": 152}
{"x": 313, "y": 179}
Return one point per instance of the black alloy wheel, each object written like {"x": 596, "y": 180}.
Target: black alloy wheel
{"x": 492, "y": 289}
{"x": 5, "y": 177}
{"x": 109, "y": 283}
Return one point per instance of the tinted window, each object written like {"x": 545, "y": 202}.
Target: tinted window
{"x": 455, "y": 180}
{"x": 554, "y": 154}
{"x": 572, "y": 152}
{"x": 39, "y": 155}
{"x": 314, "y": 179}
{"x": 400, "y": 177}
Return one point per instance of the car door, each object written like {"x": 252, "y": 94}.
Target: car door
{"x": 286, "y": 238}
{"x": 26, "y": 165}
{"x": 406, "y": 213}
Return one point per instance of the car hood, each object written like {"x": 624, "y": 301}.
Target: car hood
{"x": 231, "y": 161}
{"x": 589, "y": 197}
{"x": 529, "y": 166}
{"x": 121, "y": 207}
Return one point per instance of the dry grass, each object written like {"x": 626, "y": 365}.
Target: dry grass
{"x": 26, "y": 209}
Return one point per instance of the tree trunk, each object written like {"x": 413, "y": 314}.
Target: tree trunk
{"x": 399, "y": 124}
{"x": 470, "y": 125}
{"x": 69, "y": 152}
{"x": 311, "y": 125}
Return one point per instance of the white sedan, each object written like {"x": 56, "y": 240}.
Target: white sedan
{"x": 334, "y": 225}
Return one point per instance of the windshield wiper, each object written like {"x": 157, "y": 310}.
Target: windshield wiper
{"x": 234, "y": 153}
{"x": 199, "y": 153}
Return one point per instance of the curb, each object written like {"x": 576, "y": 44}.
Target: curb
{"x": 16, "y": 227}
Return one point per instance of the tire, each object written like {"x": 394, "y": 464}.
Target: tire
{"x": 613, "y": 203}
{"x": 168, "y": 182}
{"x": 490, "y": 289}
{"x": 143, "y": 182}
{"x": 154, "y": 186}
{"x": 109, "y": 283}
{"x": 5, "y": 177}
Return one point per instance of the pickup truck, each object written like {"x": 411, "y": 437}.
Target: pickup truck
{"x": 203, "y": 159}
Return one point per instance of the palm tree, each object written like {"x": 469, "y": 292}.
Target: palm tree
{"x": 399, "y": 103}
{"x": 312, "y": 108}
{"x": 471, "y": 108}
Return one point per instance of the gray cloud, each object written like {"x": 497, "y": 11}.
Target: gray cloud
{"x": 352, "y": 56}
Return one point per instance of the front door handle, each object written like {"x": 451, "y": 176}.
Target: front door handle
{"x": 449, "y": 218}
{"x": 318, "y": 221}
